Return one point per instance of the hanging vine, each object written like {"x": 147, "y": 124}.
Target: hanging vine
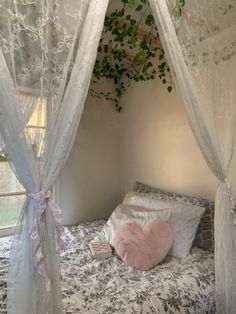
{"x": 130, "y": 50}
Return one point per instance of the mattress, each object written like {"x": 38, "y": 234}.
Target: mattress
{"x": 109, "y": 286}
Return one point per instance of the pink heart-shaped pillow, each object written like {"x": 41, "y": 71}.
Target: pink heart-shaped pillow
{"x": 143, "y": 248}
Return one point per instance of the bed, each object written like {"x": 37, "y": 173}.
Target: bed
{"x": 109, "y": 286}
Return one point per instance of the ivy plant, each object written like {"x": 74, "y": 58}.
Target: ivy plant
{"x": 130, "y": 50}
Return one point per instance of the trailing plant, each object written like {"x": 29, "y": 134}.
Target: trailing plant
{"x": 130, "y": 50}
{"x": 178, "y": 8}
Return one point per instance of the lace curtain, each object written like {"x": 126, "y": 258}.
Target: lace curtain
{"x": 28, "y": 104}
{"x": 47, "y": 53}
{"x": 201, "y": 49}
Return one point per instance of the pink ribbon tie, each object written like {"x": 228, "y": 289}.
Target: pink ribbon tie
{"x": 42, "y": 201}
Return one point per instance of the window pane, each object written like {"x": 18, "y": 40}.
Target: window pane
{"x": 10, "y": 208}
{"x": 8, "y": 180}
{"x": 36, "y": 137}
{"x": 38, "y": 117}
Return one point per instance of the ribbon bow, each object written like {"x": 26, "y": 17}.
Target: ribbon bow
{"x": 42, "y": 201}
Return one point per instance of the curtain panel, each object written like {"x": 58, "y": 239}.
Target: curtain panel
{"x": 47, "y": 47}
{"x": 201, "y": 50}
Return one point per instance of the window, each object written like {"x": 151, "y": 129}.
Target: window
{"x": 12, "y": 193}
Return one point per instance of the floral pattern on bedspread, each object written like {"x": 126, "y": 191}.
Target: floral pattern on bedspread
{"x": 109, "y": 286}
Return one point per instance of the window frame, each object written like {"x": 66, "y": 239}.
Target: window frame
{"x": 56, "y": 188}
{"x": 8, "y": 230}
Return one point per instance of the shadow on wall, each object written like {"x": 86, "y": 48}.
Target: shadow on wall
{"x": 90, "y": 182}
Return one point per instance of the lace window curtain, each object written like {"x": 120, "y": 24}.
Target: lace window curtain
{"x": 28, "y": 104}
{"x": 201, "y": 49}
{"x": 48, "y": 47}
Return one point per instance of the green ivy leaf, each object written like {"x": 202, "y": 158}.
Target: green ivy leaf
{"x": 169, "y": 88}
{"x": 143, "y": 44}
{"x": 131, "y": 4}
{"x": 105, "y": 48}
{"x": 132, "y": 22}
{"x": 181, "y": 2}
{"x": 147, "y": 66}
{"x": 178, "y": 12}
{"x": 123, "y": 55}
{"x": 149, "y": 20}
{"x": 139, "y": 8}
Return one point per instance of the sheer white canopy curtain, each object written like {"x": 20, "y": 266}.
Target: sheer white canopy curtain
{"x": 47, "y": 49}
{"x": 201, "y": 49}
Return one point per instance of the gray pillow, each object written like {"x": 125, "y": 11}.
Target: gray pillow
{"x": 205, "y": 232}
{"x": 182, "y": 218}
{"x": 129, "y": 213}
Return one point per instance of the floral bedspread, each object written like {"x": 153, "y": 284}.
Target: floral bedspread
{"x": 109, "y": 286}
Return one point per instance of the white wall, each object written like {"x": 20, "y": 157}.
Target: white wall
{"x": 157, "y": 145}
{"x": 90, "y": 182}
{"x": 149, "y": 141}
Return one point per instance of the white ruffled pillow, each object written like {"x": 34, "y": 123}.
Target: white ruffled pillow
{"x": 185, "y": 219}
{"x": 134, "y": 214}
{"x": 147, "y": 200}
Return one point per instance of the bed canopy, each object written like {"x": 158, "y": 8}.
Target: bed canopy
{"x": 201, "y": 48}
{"x": 48, "y": 49}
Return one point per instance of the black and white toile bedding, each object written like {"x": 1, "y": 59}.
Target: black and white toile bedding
{"x": 109, "y": 286}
